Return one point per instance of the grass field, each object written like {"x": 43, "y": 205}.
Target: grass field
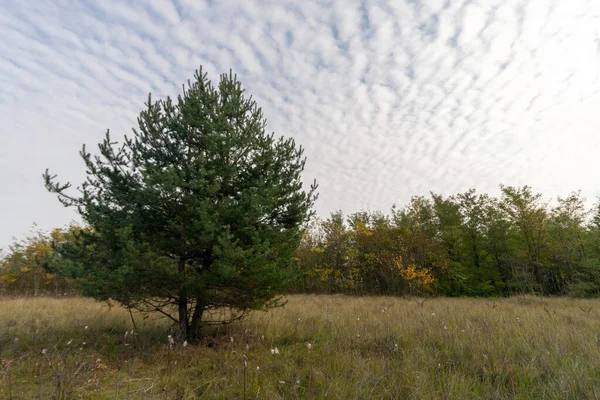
{"x": 332, "y": 347}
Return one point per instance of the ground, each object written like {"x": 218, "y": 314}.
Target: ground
{"x": 333, "y": 347}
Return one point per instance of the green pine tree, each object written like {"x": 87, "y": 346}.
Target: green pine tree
{"x": 200, "y": 210}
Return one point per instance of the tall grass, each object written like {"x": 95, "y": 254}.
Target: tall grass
{"x": 315, "y": 347}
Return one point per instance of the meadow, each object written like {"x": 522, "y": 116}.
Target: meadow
{"x": 315, "y": 347}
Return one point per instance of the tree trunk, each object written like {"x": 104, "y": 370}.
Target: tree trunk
{"x": 193, "y": 333}
{"x": 183, "y": 315}
{"x": 183, "y": 300}
{"x": 36, "y": 284}
{"x": 475, "y": 251}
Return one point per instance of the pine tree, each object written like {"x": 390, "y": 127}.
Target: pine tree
{"x": 200, "y": 209}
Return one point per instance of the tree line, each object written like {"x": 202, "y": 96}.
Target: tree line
{"x": 467, "y": 244}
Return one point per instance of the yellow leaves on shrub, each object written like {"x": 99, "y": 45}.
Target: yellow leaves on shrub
{"x": 413, "y": 274}
{"x": 9, "y": 278}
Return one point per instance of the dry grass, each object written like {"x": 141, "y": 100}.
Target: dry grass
{"x": 376, "y": 347}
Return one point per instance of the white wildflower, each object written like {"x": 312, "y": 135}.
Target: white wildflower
{"x": 170, "y": 341}
{"x": 308, "y": 346}
{"x": 274, "y": 350}
{"x": 45, "y": 351}
{"x": 85, "y": 327}
{"x": 185, "y": 343}
{"x": 395, "y": 346}
{"x": 257, "y": 368}
{"x": 445, "y": 327}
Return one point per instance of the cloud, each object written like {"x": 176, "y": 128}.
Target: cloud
{"x": 389, "y": 98}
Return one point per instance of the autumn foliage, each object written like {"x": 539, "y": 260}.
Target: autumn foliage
{"x": 22, "y": 269}
{"x": 467, "y": 244}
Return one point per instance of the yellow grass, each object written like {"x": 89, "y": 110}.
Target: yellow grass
{"x": 360, "y": 348}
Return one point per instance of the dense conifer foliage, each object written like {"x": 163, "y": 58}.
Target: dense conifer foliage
{"x": 200, "y": 209}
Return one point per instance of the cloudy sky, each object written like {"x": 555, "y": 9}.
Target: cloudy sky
{"x": 390, "y": 98}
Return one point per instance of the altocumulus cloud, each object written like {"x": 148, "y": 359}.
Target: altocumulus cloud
{"x": 389, "y": 98}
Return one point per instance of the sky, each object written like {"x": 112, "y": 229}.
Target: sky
{"x": 389, "y": 98}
